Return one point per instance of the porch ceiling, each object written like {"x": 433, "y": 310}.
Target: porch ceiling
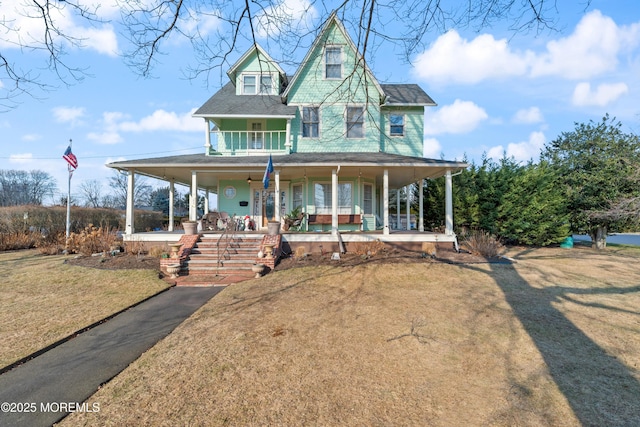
{"x": 403, "y": 170}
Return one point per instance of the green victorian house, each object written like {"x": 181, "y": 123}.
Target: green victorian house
{"x": 339, "y": 142}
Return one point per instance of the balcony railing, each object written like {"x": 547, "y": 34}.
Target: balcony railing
{"x": 249, "y": 142}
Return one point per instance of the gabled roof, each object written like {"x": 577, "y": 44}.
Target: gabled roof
{"x": 225, "y": 103}
{"x": 406, "y": 95}
{"x": 259, "y": 52}
{"x": 333, "y": 19}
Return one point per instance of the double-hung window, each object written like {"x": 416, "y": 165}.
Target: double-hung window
{"x": 248, "y": 85}
{"x": 297, "y": 196}
{"x": 396, "y": 124}
{"x": 333, "y": 62}
{"x": 322, "y": 198}
{"x": 310, "y": 122}
{"x": 355, "y": 122}
{"x": 266, "y": 85}
{"x": 367, "y": 199}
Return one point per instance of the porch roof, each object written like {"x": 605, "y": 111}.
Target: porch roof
{"x": 403, "y": 170}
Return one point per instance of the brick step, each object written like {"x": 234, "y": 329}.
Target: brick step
{"x": 204, "y": 270}
{"x": 233, "y": 261}
{"x": 232, "y": 251}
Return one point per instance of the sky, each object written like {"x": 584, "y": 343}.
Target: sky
{"x": 498, "y": 91}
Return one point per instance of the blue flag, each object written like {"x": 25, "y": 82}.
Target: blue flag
{"x": 267, "y": 173}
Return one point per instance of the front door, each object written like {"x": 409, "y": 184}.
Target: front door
{"x": 264, "y": 206}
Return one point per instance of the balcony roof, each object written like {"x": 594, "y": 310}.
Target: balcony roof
{"x": 225, "y": 103}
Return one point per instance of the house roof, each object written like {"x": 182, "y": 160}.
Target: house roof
{"x": 225, "y": 103}
{"x": 403, "y": 170}
{"x": 406, "y": 95}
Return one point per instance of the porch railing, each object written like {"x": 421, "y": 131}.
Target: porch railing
{"x": 249, "y": 142}
{"x": 225, "y": 239}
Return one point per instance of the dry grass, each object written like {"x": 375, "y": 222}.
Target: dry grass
{"x": 553, "y": 340}
{"x": 44, "y": 300}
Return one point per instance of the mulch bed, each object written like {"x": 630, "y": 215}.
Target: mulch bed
{"x": 445, "y": 253}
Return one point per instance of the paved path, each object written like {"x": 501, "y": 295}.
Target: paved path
{"x": 39, "y": 389}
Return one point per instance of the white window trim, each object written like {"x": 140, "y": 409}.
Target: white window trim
{"x": 324, "y": 61}
{"x": 373, "y": 197}
{"x": 302, "y": 107}
{"x": 321, "y": 210}
{"x": 404, "y": 124}
{"x": 258, "y": 84}
{"x": 364, "y": 122}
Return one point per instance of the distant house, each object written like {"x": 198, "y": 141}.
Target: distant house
{"x": 339, "y": 141}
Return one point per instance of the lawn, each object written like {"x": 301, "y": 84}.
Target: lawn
{"x": 44, "y": 300}
{"x": 552, "y": 340}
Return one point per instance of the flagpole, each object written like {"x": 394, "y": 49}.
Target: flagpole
{"x": 68, "y": 204}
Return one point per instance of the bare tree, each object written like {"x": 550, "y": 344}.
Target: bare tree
{"x": 18, "y": 187}
{"x": 141, "y": 190}
{"x": 152, "y": 24}
{"x": 91, "y": 191}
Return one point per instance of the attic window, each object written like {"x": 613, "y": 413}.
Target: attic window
{"x": 266, "y": 85}
{"x": 249, "y": 85}
{"x": 333, "y": 62}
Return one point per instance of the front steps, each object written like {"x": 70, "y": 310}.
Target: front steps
{"x": 201, "y": 268}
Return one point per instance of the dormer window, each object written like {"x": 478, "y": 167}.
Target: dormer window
{"x": 333, "y": 62}
{"x": 257, "y": 84}
{"x": 249, "y": 85}
{"x": 266, "y": 85}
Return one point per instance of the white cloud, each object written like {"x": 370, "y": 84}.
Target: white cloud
{"x": 164, "y": 120}
{"x": 23, "y": 27}
{"x": 288, "y": 15}
{"x": 431, "y": 148}
{"x": 68, "y": 114}
{"x": 591, "y": 50}
{"x": 454, "y": 59}
{"x": 520, "y": 151}
{"x": 21, "y": 158}
{"x": 603, "y": 95}
{"x": 529, "y": 115}
{"x": 31, "y": 137}
{"x": 459, "y": 117}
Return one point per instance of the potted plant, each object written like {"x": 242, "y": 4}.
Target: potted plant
{"x": 291, "y": 218}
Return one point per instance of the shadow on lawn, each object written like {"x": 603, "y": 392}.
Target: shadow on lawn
{"x": 599, "y": 388}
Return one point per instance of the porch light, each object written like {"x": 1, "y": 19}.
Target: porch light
{"x": 249, "y": 179}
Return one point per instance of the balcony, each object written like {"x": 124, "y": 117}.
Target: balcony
{"x": 249, "y": 142}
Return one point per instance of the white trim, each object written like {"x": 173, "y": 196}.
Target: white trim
{"x": 301, "y": 109}
{"x": 346, "y": 121}
{"x": 325, "y": 64}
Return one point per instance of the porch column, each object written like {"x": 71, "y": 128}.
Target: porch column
{"x": 334, "y": 202}
{"x": 398, "y": 223}
{"x": 448, "y": 194}
{"x": 129, "y": 215}
{"x": 287, "y": 137}
{"x": 385, "y": 202}
{"x": 278, "y": 201}
{"x": 421, "y": 203}
{"x": 193, "y": 200}
{"x": 207, "y": 144}
{"x": 206, "y": 201}
{"x": 172, "y": 185}
{"x": 406, "y": 190}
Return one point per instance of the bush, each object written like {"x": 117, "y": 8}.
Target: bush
{"x": 481, "y": 243}
{"x": 23, "y": 227}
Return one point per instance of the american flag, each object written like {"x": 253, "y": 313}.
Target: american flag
{"x": 70, "y": 158}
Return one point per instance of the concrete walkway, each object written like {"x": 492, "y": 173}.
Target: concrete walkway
{"x": 40, "y": 390}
